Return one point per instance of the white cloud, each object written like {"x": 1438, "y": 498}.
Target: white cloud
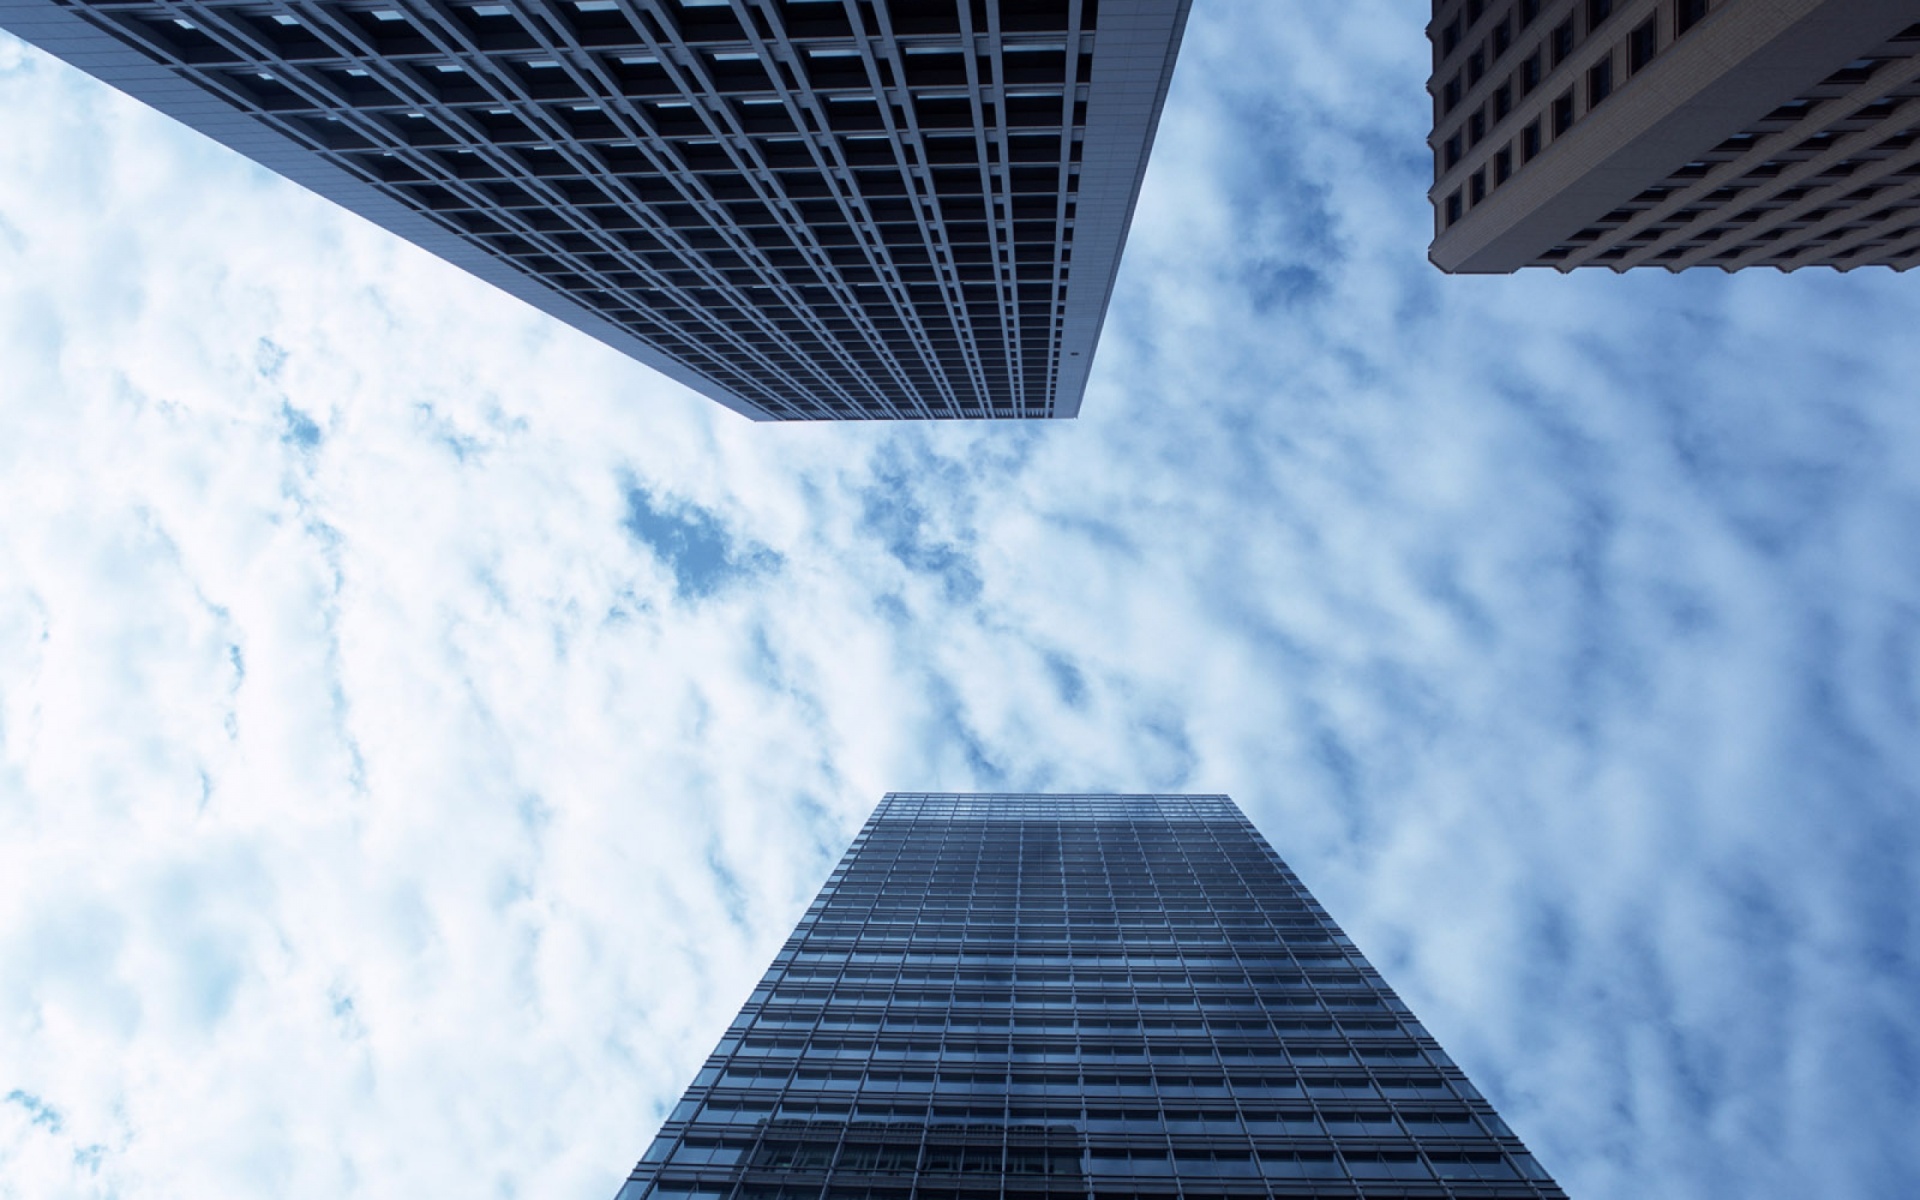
{"x": 378, "y": 813}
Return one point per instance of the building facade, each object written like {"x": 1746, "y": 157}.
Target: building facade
{"x": 805, "y": 209}
{"x": 1675, "y": 133}
{"x": 1095, "y": 997}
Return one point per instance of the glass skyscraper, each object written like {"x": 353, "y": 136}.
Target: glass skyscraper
{"x": 805, "y": 209}
{"x": 1026, "y": 997}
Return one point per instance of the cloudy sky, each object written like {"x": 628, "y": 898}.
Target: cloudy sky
{"x": 419, "y": 724}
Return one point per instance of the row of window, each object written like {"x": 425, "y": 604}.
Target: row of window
{"x": 1055, "y": 878}
{"x": 1215, "y": 1024}
{"x": 1638, "y": 51}
{"x": 390, "y": 30}
{"x": 1087, "y": 943}
{"x": 1155, "y": 835}
{"x": 777, "y": 1053}
{"x": 1200, "y": 877}
{"x": 1268, "y": 970}
{"x": 1009, "y": 904}
{"x": 1093, "y": 1001}
{"x": 1080, "y": 935}
{"x": 1782, "y": 217}
{"x": 1149, "y": 1121}
{"x": 1358, "y": 1164}
{"x": 1090, "y": 872}
{"x": 1087, "y": 985}
{"x": 953, "y": 1159}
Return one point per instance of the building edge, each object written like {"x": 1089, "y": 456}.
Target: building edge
{"x": 1150, "y": 35}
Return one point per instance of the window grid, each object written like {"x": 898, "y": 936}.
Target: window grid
{"x": 1099, "y": 996}
{"x": 1770, "y": 196}
{"x": 831, "y": 210}
{"x": 1832, "y": 178}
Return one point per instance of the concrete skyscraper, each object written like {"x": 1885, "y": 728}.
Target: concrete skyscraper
{"x": 1675, "y": 133}
{"x": 1095, "y": 997}
{"x": 805, "y": 209}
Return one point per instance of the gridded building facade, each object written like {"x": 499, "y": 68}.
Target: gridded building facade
{"x": 1676, "y": 133}
{"x": 806, "y": 209}
{"x": 1085, "y": 997}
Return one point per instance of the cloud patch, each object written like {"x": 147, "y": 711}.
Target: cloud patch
{"x": 693, "y": 543}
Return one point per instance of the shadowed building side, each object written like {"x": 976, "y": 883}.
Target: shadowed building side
{"x": 1675, "y": 133}
{"x": 805, "y": 209}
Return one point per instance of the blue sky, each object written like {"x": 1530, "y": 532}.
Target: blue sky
{"x": 418, "y": 724}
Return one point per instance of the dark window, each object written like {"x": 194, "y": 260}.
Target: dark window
{"x": 1529, "y": 12}
{"x": 1502, "y": 37}
{"x": 1856, "y": 72}
{"x": 1530, "y": 141}
{"x": 1474, "y": 9}
{"x": 1476, "y": 127}
{"x": 1502, "y": 101}
{"x": 1450, "y": 95}
{"x": 1476, "y": 67}
{"x": 1562, "y": 44}
{"x": 1453, "y": 152}
{"x": 1563, "y": 113}
{"x": 1530, "y": 74}
{"x": 1450, "y": 37}
{"x": 1642, "y": 43}
{"x": 1599, "y": 82}
{"x": 1502, "y": 165}
{"x": 1453, "y": 207}
{"x": 1687, "y": 14}
{"x": 1477, "y": 186}
{"x": 1597, "y": 13}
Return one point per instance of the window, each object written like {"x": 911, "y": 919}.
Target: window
{"x": 1453, "y": 152}
{"x": 1599, "y": 82}
{"x": 1563, "y": 113}
{"x": 1502, "y": 165}
{"x": 1529, "y": 12}
{"x": 1474, "y": 9}
{"x": 1530, "y": 142}
{"x": 1687, "y": 14}
{"x": 1476, "y": 127}
{"x": 1502, "y": 37}
{"x": 1597, "y": 13}
{"x": 1477, "y": 185}
{"x": 1642, "y": 43}
{"x": 1562, "y": 43}
{"x": 1502, "y": 101}
{"x": 1856, "y": 72}
{"x": 1450, "y": 38}
{"x": 1450, "y": 95}
{"x": 1476, "y": 67}
{"x": 1530, "y": 74}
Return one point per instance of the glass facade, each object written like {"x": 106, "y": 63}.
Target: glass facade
{"x": 1087, "y": 996}
{"x": 806, "y": 209}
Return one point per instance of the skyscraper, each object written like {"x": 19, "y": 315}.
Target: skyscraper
{"x": 1024, "y": 997}
{"x": 805, "y": 209}
{"x": 1675, "y": 133}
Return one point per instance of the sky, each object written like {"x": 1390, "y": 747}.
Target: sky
{"x": 419, "y": 724}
